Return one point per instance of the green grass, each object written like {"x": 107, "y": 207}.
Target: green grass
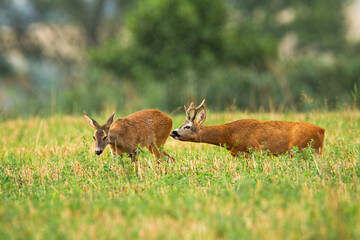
{"x": 52, "y": 186}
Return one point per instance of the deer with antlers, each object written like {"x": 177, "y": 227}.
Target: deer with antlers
{"x": 240, "y": 136}
{"x": 147, "y": 128}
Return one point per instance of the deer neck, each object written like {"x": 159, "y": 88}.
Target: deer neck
{"x": 112, "y": 138}
{"x": 216, "y": 135}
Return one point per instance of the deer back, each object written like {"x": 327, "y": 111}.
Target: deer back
{"x": 275, "y": 136}
{"x": 140, "y": 129}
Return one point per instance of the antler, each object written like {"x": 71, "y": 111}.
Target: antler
{"x": 196, "y": 109}
{"x": 187, "y": 111}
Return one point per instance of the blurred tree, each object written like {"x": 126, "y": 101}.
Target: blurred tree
{"x": 5, "y": 67}
{"x": 251, "y": 45}
{"x": 88, "y": 15}
{"x": 168, "y": 37}
{"x": 37, "y": 39}
{"x": 262, "y": 12}
{"x": 320, "y": 25}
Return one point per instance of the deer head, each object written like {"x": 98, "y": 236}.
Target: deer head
{"x": 190, "y": 128}
{"x": 101, "y": 136}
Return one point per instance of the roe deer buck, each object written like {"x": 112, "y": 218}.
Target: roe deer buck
{"x": 147, "y": 128}
{"x": 277, "y": 137}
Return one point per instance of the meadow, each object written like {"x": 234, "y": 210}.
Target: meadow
{"x": 53, "y": 186}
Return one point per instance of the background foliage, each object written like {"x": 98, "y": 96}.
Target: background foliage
{"x": 129, "y": 55}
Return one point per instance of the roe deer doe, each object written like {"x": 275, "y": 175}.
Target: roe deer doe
{"x": 147, "y": 128}
{"x": 277, "y": 137}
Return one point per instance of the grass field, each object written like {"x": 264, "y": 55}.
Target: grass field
{"x": 52, "y": 186}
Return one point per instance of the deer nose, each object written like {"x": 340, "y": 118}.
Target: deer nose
{"x": 174, "y": 134}
{"x": 98, "y": 152}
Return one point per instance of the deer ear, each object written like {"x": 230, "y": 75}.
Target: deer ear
{"x": 201, "y": 117}
{"x": 109, "y": 121}
{"x": 92, "y": 122}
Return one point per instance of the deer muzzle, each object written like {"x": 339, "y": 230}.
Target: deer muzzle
{"x": 98, "y": 151}
{"x": 174, "y": 134}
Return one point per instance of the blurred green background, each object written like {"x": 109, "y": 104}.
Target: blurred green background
{"x": 65, "y": 56}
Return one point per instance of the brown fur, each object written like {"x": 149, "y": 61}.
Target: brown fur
{"x": 147, "y": 128}
{"x": 277, "y": 137}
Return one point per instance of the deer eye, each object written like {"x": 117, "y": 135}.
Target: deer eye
{"x": 105, "y": 138}
{"x": 187, "y": 127}
{"x": 94, "y": 138}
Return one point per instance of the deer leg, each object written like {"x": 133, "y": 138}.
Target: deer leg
{"x": 163, "y": 152}
{"x": 112, "y": 150}
{"x": 168, "y": 155}
{"x": 115, "y": 151}
{"x": 319, "y": 151}
{"x": 154, "y": 150}
{"x": 158, "y": 152}
{"x": 233, "y": 152}
{"x": 238, "y": 153}
{"x": 133, "y": 156}
{"x": 150, "y": 149}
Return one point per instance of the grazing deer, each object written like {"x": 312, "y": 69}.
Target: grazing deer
{"x": 147, "y": 128}
{"x": 277, "y": 137}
